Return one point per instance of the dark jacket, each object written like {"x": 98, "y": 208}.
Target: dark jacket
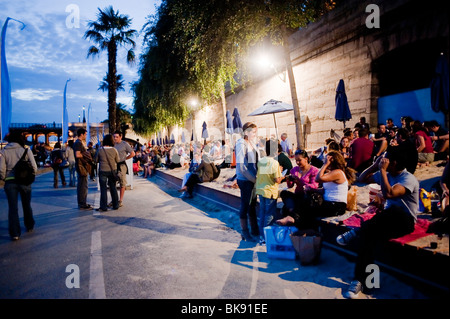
{"x": 205, "y": 170}
{"x": 55, "y": 155}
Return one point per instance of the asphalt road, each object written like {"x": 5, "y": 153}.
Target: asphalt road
{"x": 156, "y": 246}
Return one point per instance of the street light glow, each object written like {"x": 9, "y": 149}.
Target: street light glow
{"x": 193, "y": 102}
{"x": 264, "y": 61}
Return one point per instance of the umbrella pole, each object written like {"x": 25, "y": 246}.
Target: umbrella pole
{"x": 275, "y": 121}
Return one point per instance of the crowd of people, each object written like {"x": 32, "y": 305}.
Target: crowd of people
{"x": 317, "y": 186}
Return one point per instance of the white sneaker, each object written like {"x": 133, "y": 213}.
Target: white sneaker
{"x": 354, "y": 290}
{"x": 346, "y": 237}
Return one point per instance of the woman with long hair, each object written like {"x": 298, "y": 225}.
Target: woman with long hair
{"x": 344, "y": 147}
{"x": 335, "y": 177}
{"x": 303, "y": 177}
{"x": 108, "y": 157}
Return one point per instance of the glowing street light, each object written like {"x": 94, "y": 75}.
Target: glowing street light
{"x": 264, "y": 62}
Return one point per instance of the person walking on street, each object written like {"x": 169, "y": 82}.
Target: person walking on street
{"x": 9, "y": 156}
{"x": 107, "y": 157}
{"x": 70, "y": 155}
{"x": 125, "y": 152}
{"x": 93, "y": 171}
{"x": 57, "y": 157}
{"x": 82, "y": 162}
{"x": 246, "y": 169}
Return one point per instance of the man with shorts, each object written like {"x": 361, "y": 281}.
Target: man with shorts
{"x": 125, "y": 152}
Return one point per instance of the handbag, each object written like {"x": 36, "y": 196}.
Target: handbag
{"x": 314, "y": 199}
{"x": 82, "y": 169}
{"x": 116, "y": 175}
{"x": 64, "y": 164}
{"x": 308, "y": 245}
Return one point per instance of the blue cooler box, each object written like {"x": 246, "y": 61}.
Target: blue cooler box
{"x": 278, "y": 242}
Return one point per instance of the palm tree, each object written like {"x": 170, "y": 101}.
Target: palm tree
{"x": 103, "y": 86}
{"x": 110, "y": 31}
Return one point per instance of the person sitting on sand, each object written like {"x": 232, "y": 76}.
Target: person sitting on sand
{"x": 401, "y": 191}
{"x": 303, "y": 177}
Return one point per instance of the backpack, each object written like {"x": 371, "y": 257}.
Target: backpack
{"x": 23, "y": 171}
{"x": 57, "y": 158}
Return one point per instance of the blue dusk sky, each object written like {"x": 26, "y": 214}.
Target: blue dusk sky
{"x": 51, "y": 49}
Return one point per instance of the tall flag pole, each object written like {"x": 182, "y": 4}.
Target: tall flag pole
{"x": 65, "y": 120}
{"x": 88, "y": 129}
{"x": 5, "y": 100}
{"x": 98, "y": 137}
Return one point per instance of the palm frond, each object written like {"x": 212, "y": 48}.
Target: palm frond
{"x": 92, "y": 51}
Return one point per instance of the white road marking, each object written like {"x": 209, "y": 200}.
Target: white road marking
{"x": 96, "y": 279}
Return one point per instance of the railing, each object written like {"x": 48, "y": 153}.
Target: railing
{"x": 35, "y": 125}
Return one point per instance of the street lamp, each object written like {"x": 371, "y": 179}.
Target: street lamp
{"x": 263, "y": 61}
{"x": 193, "y": 103}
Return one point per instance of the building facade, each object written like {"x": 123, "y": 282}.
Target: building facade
{"x": 380, "y": 48}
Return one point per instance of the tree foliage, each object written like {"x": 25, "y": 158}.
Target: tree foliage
{"x": 197, "y": 47}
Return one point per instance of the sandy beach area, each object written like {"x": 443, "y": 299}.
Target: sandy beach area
{"x": 426, "y": 175}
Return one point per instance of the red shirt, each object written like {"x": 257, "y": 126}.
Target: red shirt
{"x": 428, "y": 144}
{"x": 361, "y": 151}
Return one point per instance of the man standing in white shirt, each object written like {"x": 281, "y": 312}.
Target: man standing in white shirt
{"x": 125, "y": 152}
{"x": 285, "y": 144}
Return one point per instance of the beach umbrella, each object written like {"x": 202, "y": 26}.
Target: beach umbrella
{"x": 172, "y": 139}
{"x": 153, "y": 142}
{"x": 237, "y": 124}
{"x": 440, "y": 86}
{"x": 166, "y": 140}
{"x": 272, "y": 107}
{"x": 342, "y": 109}
{"x": 205, "y": 134}
{"x": 183, "y": 137}
{"x": 229, "y": 129}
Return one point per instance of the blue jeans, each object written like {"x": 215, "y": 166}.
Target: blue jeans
{"x": 72, "y": 177}
{"x": 105, "y": 180}
{"x": 12, "y": 191}
{"x": 267, "y": 212}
